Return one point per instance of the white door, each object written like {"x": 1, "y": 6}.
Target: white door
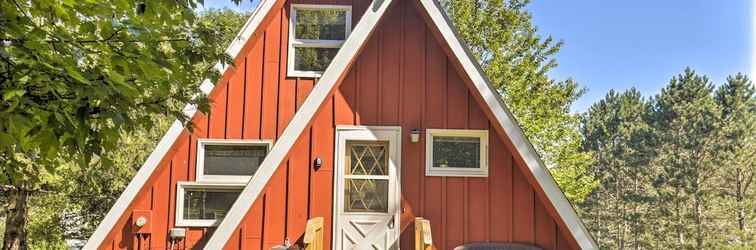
{"x": 367, "y": 188}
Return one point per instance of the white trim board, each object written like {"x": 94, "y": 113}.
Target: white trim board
{"x": 293, "y": 42}
{"x": 298, "y": 123}
{"x": 181, "y": 188}
{"x": 200, "y": 167}
{"x": 507, "y": 122}
{"x": 480, "y": 171}
{"x": 170, "y": 137}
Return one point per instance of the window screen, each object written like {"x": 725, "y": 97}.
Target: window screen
{"x": 318, "y": 33}
{"x": 456, "y": 152}
{"x": 321, "y": 24}
{"x": 208, "y": 204}
{"x": 233, "y": 159}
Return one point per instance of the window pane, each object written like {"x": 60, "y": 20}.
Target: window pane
{"x": 323, "y": 24}
{"x": 201, "y": 204}
{"x": 313, "y": 59}
{"x": 456, "y": 152}
{"x": 367, "y": 158}
{"x": 233, "y": 159}
{"x": 365, "y": 195}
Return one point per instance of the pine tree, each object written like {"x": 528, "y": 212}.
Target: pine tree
{"x": 683, "y": 119}
{"x": 615, "y": 129}
{"x": 736, "y": 153}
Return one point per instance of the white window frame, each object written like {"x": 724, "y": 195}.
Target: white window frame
{"x": 242, "y": 179}
{"x": 482, "y": 135}
{"x": 294, "y": 43}
{"x": 181, "y": 188}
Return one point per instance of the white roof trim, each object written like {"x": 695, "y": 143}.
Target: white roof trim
{"x": 512, "y": 129}
{"x": 173, "y": 133}
{"x": 299, "y": 122}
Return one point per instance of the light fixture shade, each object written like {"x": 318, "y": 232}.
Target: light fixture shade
{"x": 415, "y": 135}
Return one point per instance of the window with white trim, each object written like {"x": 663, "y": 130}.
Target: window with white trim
{"x": 316, "y": 33}
{"x": 453, "y": 152}
{"x": 204, "y": 204}
{"x": 230, "y": 161}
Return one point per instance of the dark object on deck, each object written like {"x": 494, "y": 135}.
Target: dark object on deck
{"x": 497, "y": 246}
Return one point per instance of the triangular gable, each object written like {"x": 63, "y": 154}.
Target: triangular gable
{"x": 334, "y": 74}
{"x": 505, "y": 124}
{"x": 250, "y": 30}
{"x": 324, "y": 88}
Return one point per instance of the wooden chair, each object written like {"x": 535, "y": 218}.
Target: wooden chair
{"x": 423, "y": 237}
{"x": 313, "y": 238}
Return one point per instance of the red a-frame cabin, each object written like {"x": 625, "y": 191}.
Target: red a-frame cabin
{"x": 365, "y": 113}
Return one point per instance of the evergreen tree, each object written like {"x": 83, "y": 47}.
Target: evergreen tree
{"x": 502, "y": 37}
{"x": 616, "y": 211}
{"x": 683, "y": 118}
{"x": 736, "y": 154}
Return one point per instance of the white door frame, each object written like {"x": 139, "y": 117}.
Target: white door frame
{"x": 392, "y": 134}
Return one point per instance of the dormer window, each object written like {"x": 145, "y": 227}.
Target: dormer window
{"x": 316, "y": 33}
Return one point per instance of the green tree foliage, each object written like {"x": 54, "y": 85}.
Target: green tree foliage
{"x": 77, "y": 75}
{"x": 616, "y": 131}
{"x": 736, "y": 157}
{"x": 675, "y": 171}
{"x": 684, "y": 119}
{"x": 516, "y": 60}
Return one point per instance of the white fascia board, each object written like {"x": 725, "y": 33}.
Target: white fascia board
{"x": 298, "y": 124}
{"x": 170, "y": 137}
{"x": 508, "y": 123}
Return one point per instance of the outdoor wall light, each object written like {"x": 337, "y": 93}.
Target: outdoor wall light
{"x": 415, "y": 135}
{"x": 317, "y": 163}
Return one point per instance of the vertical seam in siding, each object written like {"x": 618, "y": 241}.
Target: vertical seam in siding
{"x": 244, "y": 101}
{"x": 378, "y": 113}
{"x": 278, "y": 79}
{"x": 170, "y": 198}
{"x": 262, "y": 88}
{"x": 309, "y": 175}
{"x": 286, "y": 202}
{"x": 225, "y": 117}
{"x": 262, "y": 225}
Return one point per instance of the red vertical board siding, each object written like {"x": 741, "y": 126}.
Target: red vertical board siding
{"x": 402, "y": 77}
{"x": 253, "y": 90}
{"x": 275, "y": 209}
{"x": 478, "y": 210}
{"x": 389, "y": 65}
{"x": 367, "y": 85}
{"x": 179, "y": 172}
{"x": 545, "y": 227}
{"x": 522, "y": 200}
{"x": 435, "y": 117}
{"x": 321, "y": 183}
{"x": 413, "y": 89}
{"x": 501, "y": 190}
{"x": 304, "y": 86}
{"x": 235, "y": 104}
{"x": 287, "y": 95}
{"x": 344, "y": 113}
{"x": 252, "y": 226}
{"x": 269, "y": 120}
{"x": 217, "y": 115}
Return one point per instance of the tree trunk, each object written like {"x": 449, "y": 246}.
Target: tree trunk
{"x": 15, "y": 220}
{"x": 739, "y": 199}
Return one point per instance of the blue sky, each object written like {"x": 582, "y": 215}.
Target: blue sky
{"x": 639, "y": 43}
{"x": 643, "y": 43}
